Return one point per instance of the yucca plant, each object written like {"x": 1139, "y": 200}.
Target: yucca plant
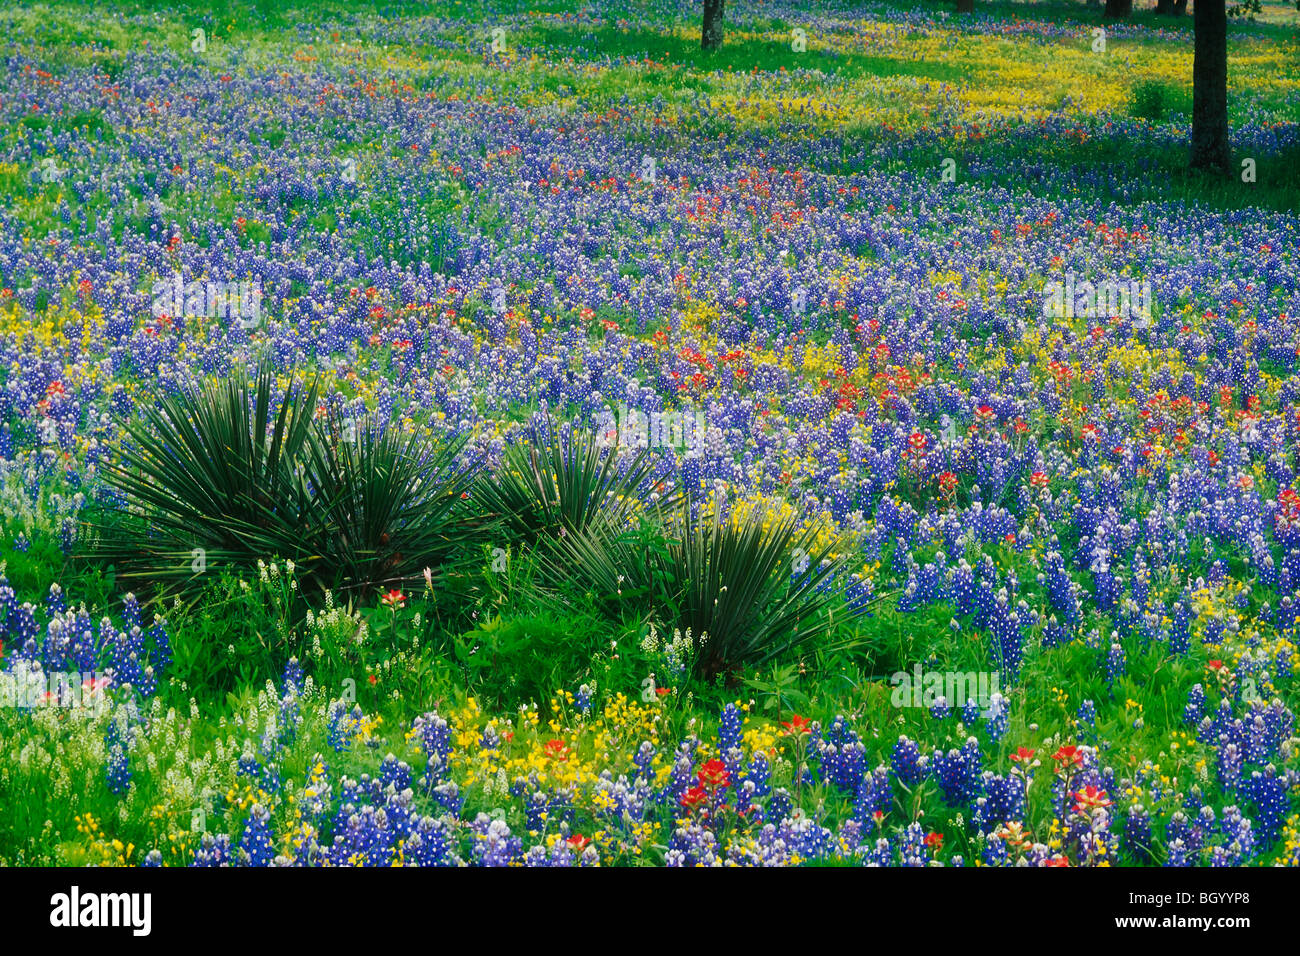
{"x": 205, "y": 476}
{"x": 386, "y": 502}
{"x": 214, "y": 476}
{"x": 622, "y": 568}
{"x": 562, "y": 484}
{"x": 755, "y": 583}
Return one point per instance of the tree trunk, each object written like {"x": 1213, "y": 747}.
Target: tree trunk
{"x": 1165, "y": 7}
{"x": 965, "y": 6}
{"x": 1210, "y": 87}
{"x": 1180, "y": 7}
{"x": 1119, "y": 9}
{"x": 711, "y": 34}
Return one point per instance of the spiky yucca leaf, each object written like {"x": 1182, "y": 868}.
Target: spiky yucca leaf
{"x": 756, "y": 583}
{"x": 561, "y": 483}
{"x": 213, "y": 472}
{"x": 387, "y": 502}
{"x": 208, "y": 474}
{"x": 757, "y": 586}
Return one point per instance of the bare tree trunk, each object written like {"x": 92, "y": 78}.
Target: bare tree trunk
{"x": 965, "y": 6}
{"x": 711, "y": 34}
{"x": 1180, "y": 7}
{"x": 1210, "y": 87}
{"x": 1165, "y": 7}
{"x": 1119, "y": 9}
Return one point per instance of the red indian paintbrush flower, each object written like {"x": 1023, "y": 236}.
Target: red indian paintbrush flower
{"x": 714, "y": 774}
{"x": 1090, "y": 797}
{"x": 1067, "y": 756}
{"x": 796, "y": 725}
{"x": 693, "y": 797}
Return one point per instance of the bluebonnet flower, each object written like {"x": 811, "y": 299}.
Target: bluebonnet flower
{"x": 256, "y": 848}
{"x": 780, "y": 805}
{"x": 840, "y": 756}
{"x": 1115, "y": 664}
{"x": 998, "y": 717}
{"x": 343, "y": 726}
{"x": 213, "y": 851}
{"x": 729, "y": 728}
{"x": 1087, "y": 719}
{"x": 692, "y": 845}
{"x": 995, "y": 853}
{"x": 1002, "y": 801}
{"x": 1195, "y": 708}
{"x": 1137, "y": 833}
{"x": 118, "y": 770}
{"x": 958, "y": 773}
{"x": 1268, "y": 793}
{"x": 431, "y": 843}
{"x": 643, "y": 759}
{"x": 907, "y": 763}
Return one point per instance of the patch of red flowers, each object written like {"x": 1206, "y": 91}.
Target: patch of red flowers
{"x": 694, "y": 797}
{"x": 1067, "y": 756}
{"x": 556, "y": 748}
{"x": 797, "y": 725}
{"x": 714, "y": 775}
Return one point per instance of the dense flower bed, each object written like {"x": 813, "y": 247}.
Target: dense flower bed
{"x": 1104, "y": 510}
{"x": 582, "y": 783}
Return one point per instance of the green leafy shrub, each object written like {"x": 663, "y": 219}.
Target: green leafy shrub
{"x": 513, "y": 659}
{"x": 564, "y": 483}
{"x": 219, "y": 476}
{"x": 1149, "y": 100}
{"x": 755, "y": 581}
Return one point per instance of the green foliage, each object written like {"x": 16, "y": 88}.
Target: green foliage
{"x": 237, "y": 632}
{"x": 216, "y": 478}
{"x": 779, "y": 692}
{"x": 520, "y": 658}
{"x": 562, "y": 484}
{"x": 1149, "y": 100}
{"x": 757, "y": 584}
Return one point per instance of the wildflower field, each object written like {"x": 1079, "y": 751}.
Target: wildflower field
{"x": 444, "y": 434}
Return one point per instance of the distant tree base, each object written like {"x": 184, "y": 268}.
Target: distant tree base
{"x": 711, "y": 33}
{"x": 1165, "y": 7}
{"x": 1210, "y": 150}
{"x": 1180, "y": 7}
{"x": 965, "y": 6}
{"x": 1119, "y": 9}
